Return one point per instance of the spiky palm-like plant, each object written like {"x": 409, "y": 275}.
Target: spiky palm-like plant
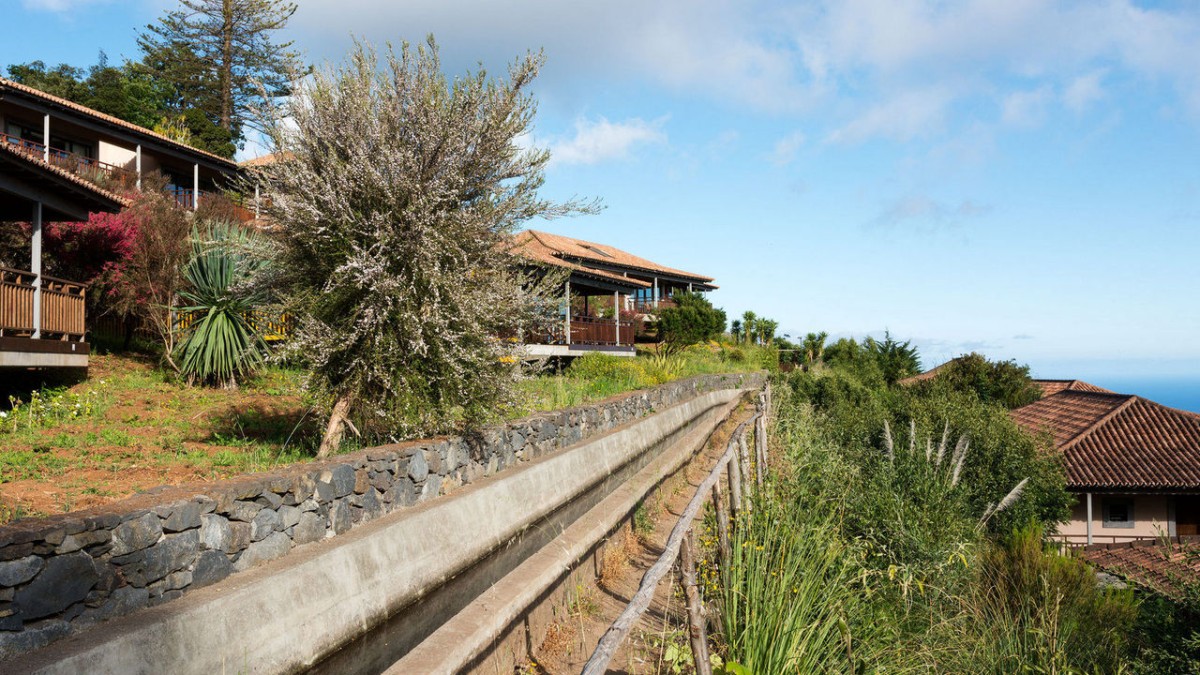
{"x": 218, "y": 343}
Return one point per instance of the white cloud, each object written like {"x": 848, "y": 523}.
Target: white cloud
{"x": 599, "y": 140}
{"x": 57, "y": 5}
{"x": 785, "y": 56}
{"x": 907, "y": 116}
{"x": 1083, "y": 91}
{"x": 787, "y": 147}
{"x": 1026, "y": 108}
{"x": 930, "y": 212}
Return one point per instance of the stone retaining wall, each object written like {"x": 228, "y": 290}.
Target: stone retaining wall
{"x": 63, "y": 573}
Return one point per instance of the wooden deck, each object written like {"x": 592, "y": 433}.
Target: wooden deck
{"x": 588, "y": 334}
{"x": 60, "y": 343}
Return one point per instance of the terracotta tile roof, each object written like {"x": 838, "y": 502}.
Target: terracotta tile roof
{"x": 115, "y": 121}
{"x": 1052, "y": 387}
{"x": 1117, "y": 440}
{"x": 1162, "y": 568}
{"x": 264, "y": 160}
{"x": 568, "y": 247}
{"x": 64, "y": 174}
{"x": 530, "y": 246}
{"x": 927, "y": 375}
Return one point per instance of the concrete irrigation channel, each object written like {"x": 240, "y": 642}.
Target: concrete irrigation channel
{"x": 459, "y": 583}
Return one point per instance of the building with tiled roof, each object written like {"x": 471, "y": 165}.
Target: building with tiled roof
{"x": 1134, "y": 463}
{"x": 601, "y": 277}
{"x": 61, "y": 161}
{"x": 1164, "y": 567}
{"x": 661, "y": 280}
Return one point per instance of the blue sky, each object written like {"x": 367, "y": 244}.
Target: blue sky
{"x": 1016, "y": 177}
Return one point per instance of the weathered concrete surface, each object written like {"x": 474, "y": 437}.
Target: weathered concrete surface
{"x": 472, "y": 633}
{"x": 284, "y": 615}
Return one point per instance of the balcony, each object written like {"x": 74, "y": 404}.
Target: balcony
{"x": 116, "y": 178}
{"x": 60, "y": 342}
{"x": 588, "y": 334}
{"x": 648, "y": 306}
{"x": 103, "y": 175}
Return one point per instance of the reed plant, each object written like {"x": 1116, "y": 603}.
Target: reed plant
{"x": 789, "y": 594}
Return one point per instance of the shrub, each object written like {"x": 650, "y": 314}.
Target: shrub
{"x": 693, "y": 320}
{"x": 1029, "y": 610}
{"x": 218, "y": 344}
{"x": 1001, "y": 382}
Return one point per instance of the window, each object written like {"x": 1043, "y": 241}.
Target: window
{"x": 1118, "y": 513}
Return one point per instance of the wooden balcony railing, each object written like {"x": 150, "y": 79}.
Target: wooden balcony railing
{"x": 103, "y": 174}
{"x": 63, "y": 306}
{"x": 115, "y": 178}
{"x": 269, "y": 326}
{"x": 586, "y": 330}
{"x": 647, "y": 305}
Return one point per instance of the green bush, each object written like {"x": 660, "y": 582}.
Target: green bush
{"x": 1001, "y": 382}
{"x": 692, "y": 321}
{"x": 1033, "y": 610}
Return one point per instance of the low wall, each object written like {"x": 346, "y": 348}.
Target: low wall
{"x": 61, "y": 574}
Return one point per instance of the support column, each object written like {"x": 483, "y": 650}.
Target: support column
{"x": 195, "y": 186}
{"x": 1089, "y": 519}
{"x": 256, "y": 201}
{"x": 35, "y": 266}
{"x": 138, "y": 156}
{"x": 46, "y": 138}
{"x": 655, "y": 292}
{"x": 617, "y": 316}
{"x": 567, "y": 319}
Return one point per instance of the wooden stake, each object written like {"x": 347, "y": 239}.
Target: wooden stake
{"x": 695, "y": 610}
{"x": 745, "y": 455}
{"x": 735, "y": 484}
{"x": 724, "y": 554}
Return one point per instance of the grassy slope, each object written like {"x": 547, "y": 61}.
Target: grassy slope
{"x": 130, "y": 427}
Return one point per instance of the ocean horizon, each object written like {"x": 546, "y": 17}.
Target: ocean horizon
{"x": 1174, "y": 392}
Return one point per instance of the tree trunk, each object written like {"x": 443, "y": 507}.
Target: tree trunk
{"x": 336, "y": 427}
{"x": 226, "y": 66}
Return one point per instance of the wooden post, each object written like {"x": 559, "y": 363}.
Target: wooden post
{"x": 735, "y": 484}
{"x": 35, "y": 262}
{"x": 567, "y": 320}
{"x": 617, "y": 316}
{"x": 1089, "y": 519}
{"x": 724, "y": 554}
{"x": 745, "y": 453}
{"x": 695, "y": 610}
{"x": 758, "y": 456}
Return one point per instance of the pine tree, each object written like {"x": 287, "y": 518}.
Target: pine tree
{"x": 221, "y": 58}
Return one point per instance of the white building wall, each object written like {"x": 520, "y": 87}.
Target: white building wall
{"x": 1151, "y": 518}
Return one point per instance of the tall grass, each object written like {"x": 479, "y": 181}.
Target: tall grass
{"x": 789, "y": 593}
{"x": 597, "y": 376}
{"x": 1029, "y": 609}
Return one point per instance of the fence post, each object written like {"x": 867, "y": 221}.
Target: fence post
{"x": 735, "y": 484}
{"x": 722, "y": 510}
{"x": 744, "y": 451}
{"x": 695, "y": 609}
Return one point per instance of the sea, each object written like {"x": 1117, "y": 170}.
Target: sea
{"x": 1174, "y": 392}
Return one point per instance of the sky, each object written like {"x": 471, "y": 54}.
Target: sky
{"x": 1014, "y": 177}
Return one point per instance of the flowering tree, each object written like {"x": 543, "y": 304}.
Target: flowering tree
{"x": 396, "y": 192}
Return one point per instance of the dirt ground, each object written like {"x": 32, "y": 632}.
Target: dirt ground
{"x": 145, "y": 431}
{"x": 659, "y": 641}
